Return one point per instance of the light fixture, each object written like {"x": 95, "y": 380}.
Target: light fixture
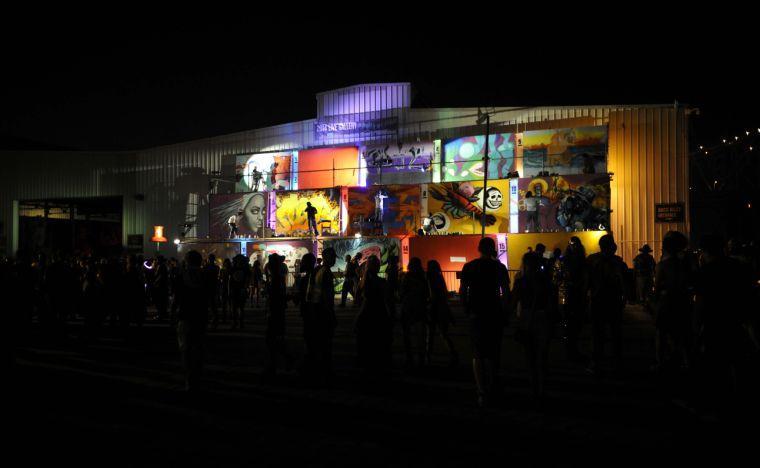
{"x": 176, "y": 241}
{"x": 358, "y": 235}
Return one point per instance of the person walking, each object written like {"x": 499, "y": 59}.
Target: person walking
{"x": 606, "y": 295}
{"x": 439, "y": 313}
{"x": 484, "y": 289}
{"x": 414, "y": 295}
{"x": 349, "y": 279}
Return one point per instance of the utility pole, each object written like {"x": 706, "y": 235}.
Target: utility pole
{"x": 487, "y": 118}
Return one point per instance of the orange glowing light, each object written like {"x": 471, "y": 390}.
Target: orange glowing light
{"x": 158, "y": 234}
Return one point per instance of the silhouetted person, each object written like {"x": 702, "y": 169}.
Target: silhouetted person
{"x": 392, "y": 280}
{"x": 374, "y": 332}
{"x": 305, "y": 272}
{"x": 161, "y": 287}
{"x": 239, "y": 281}
{"x": 484, "y": 290}
{"x": 258, "y": 279}
{"x": 211, "y": 281}
{"x": 724, "y": 296}
{"x": 311, "y": 217}
{"x": 606, "y": 293}
{"x": 643, "y": 267}
{"x": 439, "y": 313}
{"x": 574, "y": 277}
{"x": 175, "y": 275}
{"x": 275, "y": 315}
{"x": 349, "y": 280}
{"x": 319, "y": 319}
{"x": 358, "y": 274}
{"x": 224, "y": 287}
{"x": 192, "y": 319}
{"x": 673, "y": 291}
{"x": 414, "y": 294}
{"x": 134, "y": 287}
{"x": 535, "y": 312}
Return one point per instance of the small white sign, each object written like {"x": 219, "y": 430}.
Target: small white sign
{"x": 458, "y": 259}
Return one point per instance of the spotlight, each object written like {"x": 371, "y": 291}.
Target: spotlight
{"x": 176, "y": 241}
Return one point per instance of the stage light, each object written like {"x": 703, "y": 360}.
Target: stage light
{"x": 358, "y": 235}
{"x": 176, "y": 241}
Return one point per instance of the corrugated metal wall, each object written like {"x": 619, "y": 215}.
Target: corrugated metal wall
{"x": 647, "y": 152}
{"x": 364, "y": 98}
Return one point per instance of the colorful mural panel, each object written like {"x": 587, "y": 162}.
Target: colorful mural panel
{"x": 565, "y": 151}
{"x": 564, "y": 203}
{"x": 381, "y": 247}
{"x": 221, "y": 250}
{"x": 249, "y": 210}
{"x": 292, "y": 250}
{"x": 383, "y": 209}
{"x": 264, "y": 171}
{"x": 402, "y": 163}
{"x": 463, "y": 157}
{"x": 458, "y": 206}
{"x": 291, "y": 217}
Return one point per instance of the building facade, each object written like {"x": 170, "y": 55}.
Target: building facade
{"x": 364, "y": 136}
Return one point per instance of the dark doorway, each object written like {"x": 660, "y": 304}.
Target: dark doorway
{"x": 88, "y": 226}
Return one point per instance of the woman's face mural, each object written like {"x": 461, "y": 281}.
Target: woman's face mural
{"x": 254, "y": 211}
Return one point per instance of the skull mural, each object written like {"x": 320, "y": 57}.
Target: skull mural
{"x": 494, "y": 198}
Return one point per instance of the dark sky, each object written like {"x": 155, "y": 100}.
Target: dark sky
{"x": 132, "y": 83}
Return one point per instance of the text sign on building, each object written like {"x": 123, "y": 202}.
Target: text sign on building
{"x": 347, "y": 128}
{"x": 669, "y": 213}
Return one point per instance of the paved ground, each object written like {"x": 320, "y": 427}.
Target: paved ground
{"x": 119, "y": 402}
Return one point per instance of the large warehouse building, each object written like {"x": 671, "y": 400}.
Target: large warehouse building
{"x": 552, "y": 171}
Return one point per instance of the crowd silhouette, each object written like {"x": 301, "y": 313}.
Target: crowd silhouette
{"x": 702, "y": 299}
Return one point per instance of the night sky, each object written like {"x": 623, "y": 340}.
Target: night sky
{"x": 131, "y": 83}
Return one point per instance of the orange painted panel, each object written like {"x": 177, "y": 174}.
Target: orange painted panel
{"x": 315, "y": 167}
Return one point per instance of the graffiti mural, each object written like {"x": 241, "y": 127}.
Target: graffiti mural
{"x": 463, "y": 157}
{"x": 458, "y": 206}
{"x": 221, "y": 250}
{"x": 292, "y": 250}
{"x": 565, "y": 151}
{"x": 265, "y": 171}
{"x": 249, "y": 210}
{"x": 291, "y": 218}
{"x": 564, "y": 203}
{"x": 381, "y": 247}
{"x": 399, "y": 163}
{"x": 383, "y": 209}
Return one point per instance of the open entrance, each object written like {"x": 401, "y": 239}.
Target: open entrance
{"x": 89, "y": 226}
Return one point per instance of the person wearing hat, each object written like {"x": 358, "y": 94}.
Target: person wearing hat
{"x": 644, "y": 266}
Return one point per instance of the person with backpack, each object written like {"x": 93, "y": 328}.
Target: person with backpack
{"x": 606, "y": 300}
